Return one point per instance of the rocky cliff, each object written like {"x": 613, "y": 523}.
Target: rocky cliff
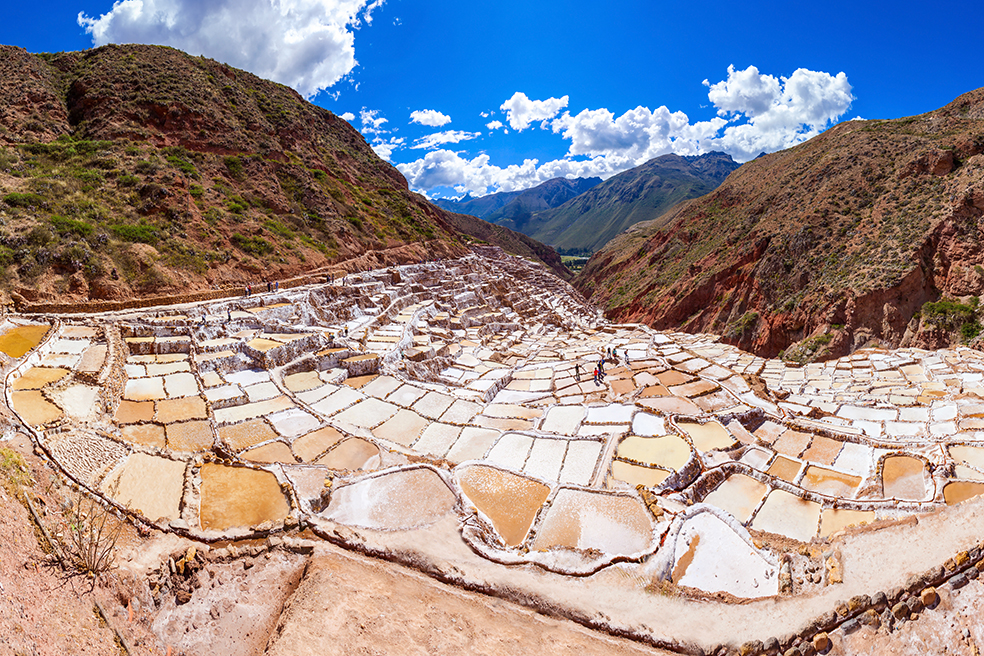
{"x": 823, "y": 248}
{"x": 134, "y": 170}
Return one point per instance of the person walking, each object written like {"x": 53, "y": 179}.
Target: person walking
{"x": 577, "y": 371}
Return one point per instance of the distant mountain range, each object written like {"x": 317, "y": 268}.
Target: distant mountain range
{"x": 590, "y": 220}
{"x": 512, "y": 209}
{"x": 581, "y": 215}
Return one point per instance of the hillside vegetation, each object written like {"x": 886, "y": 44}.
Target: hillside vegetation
{"x": 820, "y": 249}
{"x": 135, "y": 170}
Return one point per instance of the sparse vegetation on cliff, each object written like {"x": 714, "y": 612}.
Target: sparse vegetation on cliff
{"x": 859, "y": 226}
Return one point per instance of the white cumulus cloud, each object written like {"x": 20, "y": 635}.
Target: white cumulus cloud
{"x": 348, "y": 116}
{"x": 429, "y": 117}
{"x": 756, "y": 113}
{"x": 440, "y": 138}
{"x": 372, "y": 122}
{"x": 521, "y": 111}
{"x": 306, "y": 44}
{"x": 385, "y": 147}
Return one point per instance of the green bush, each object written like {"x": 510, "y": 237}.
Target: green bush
{"x": 183, "y": 165}
{"x": 970, "y": 330}
{"x": 196, "y": 191}
{"x": 278, "y": 228}
{"x": 235, "y": 167}
{"x": 142, "y": 233}
{"x": 67, "y": 227}
{"x": 948, "y": 314}
{"x": 252, "y": 245}
{"x": 127, "y": 180}
{"x": 17, "y": 199}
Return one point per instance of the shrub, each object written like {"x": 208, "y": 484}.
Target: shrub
{"x": 143, "y": 233}
{"x": 744, "y": 325}
{"x": 196, "y": 191}
{"x": 948, "y": 314}
{"x": 127, "y": 180}
{"x": 145, "y": 167}
{"x": 93, "y": 532}
{"x": 66, "y": 227}
{"x": 183, "y": 165}
{"x": 278, "y": 228}
{"x": 235, "y": 167}
{"x": 17, "y": 199}
{"x": 252, "y": 245}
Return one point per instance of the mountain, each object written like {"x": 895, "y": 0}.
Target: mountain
{"x": 135, "y": 170}
{"x": 517, "y": 212}
{"x": 587, "y": 222}
{"x": 815, "y": 251}
{"x": 509, "y": 207}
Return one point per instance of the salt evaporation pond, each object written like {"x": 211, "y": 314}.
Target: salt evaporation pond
{"x": 395, "y": 501}
{"x": 16, "y": 342}
{"x": 510, "y": 501}
{"x": 237, "y": 496}
{"x": 612, "y": 524}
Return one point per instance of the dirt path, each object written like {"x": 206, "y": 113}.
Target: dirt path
{"x": 347, "y": 604}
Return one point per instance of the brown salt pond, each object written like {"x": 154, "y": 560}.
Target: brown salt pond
{"x": 33, "y": 408}
{"x": 395, "y": 501}
{"x": 131, "y": 412}
{"x": 237, "y": 496}
{"x": 352, "y": 454}
{"x": 787, "y": 514}
{"x": 830, "y": 482}
{"x": 189, "y": 436}
{"x": 144, "y": 435}
{"x": 310, "y": 446}
{"x": 246, "y": 434}
{"x": 904, "y": 478}
{"x": 957, "y": 491}
{"x": 669, "y": 452}
{"x": 739, "y": 495}
{"x": 509, "y": 500}
{"x": 270, "y": 453}
{"x": 614, "y": 524}
{"x": 38, "y": 377}
{"x": 785, "y": 469}
{"x": 149, "y": 485}
{"x": 16, "y": 342}
{"x": 836, "y": 519}
{"x": 709, "y": 436}
{"x": 635, "y": 475}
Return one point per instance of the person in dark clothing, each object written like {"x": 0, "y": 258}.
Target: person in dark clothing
{"x": 577, "y": 371}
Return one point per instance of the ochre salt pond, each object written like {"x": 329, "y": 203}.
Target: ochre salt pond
{"x": 957, "y": 491}
{"x": 709, "y": 436}
{"x": 16, "y": 342}
{"x": 670, "y": 451}
{"x": 149, "y": 485}
{"x": 904, "y": 477}
{"x": 38, "y": 377}
{"x": 510, "y": 501}
{"x": 614, "y": 524}
{"x": 33, "y": 408}
{"x": 237, "y": 496}
{"x": 739, "y": 495}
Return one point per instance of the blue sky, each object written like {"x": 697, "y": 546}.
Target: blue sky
{"x": 473, "y": 96}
